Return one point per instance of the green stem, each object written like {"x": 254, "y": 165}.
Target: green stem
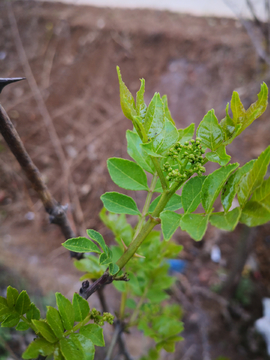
{"x": 205, "y": 161}
{"x": 137, "y": 309}
{"x": 78, "y": 326}
{"x": 29, "y": 323}
{"x": 160, "y": 173}
{"x": 185, "y": 164}
{"x": 146, "y": 205}
{"x": 123, "y": 305}
{"x": 180, "y": 164}
{"x": 147, "y": 228}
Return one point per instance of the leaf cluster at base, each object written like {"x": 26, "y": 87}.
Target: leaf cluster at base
{"x": 65, "y": 333}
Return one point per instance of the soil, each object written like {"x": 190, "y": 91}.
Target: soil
{"x": 72, "y": 53}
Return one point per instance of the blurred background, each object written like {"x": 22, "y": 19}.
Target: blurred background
{"x": 68, "y": 115}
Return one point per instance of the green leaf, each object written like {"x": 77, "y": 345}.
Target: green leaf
{"x": 169, "y": 343}
{"x": 12, "y": 320}
{"x": 168, "y": 327}
{"x": 94, "y": 333}
{"x": 22, "y": 326}
{"x": 12, "y": 295}
{"x": 127, "y": 174}
{"x": 4, "y": 309}
{"x": 230, "y": 188}
{"x": 164, "y": 140}
{"x": 246, "y": 118}
{"x": 81, "y": 245}
{"x": 134, "y": 285}
{"x": 113, "y": 269}
{"x": 57, "y": 355}
{"x": 169, "y": 223}
{"x": 33, "y": 312}
{"x": 173, "y": 204}
{"x": 155, "y": 117}
{"x": 66, "y": 311}
{"x": 119, "y": 203}
{"x": 227, "y": 125}
{"x": 23, "y": 303}
{"x": 254, "y": 214}
{"x": 85, "y": 345}
{"x": 90, "y": 265}
{"x": 81, "y": 307}
{"x": 234, "y": 135}
{"x": 195, "y": 225}
{"x": 262, "y": 194}
{"x": 166, "y": 109}
{"x": 38, "y": 347}
{"x": 120, "y": 286}
{"x": 219, "y": 156}
{"x": 237, "y": 107}
{"x": 191, "y": 193}
{"x": 3, "y": 303}
{"x": 186, "y": 134}
{"x": 140, "y": 104}
{"x": 126, "y": 99}
{"x": 137, "y": 153}
{"x": 254, "y": 177}
{"x": 171, "y": 250}
{"x": 104, "y": 259}
{"x": 153, "y": 354}
{"x": 131, "y": 304}
{"x": 156, "y": 295}
{"x": 210, "y": 131}
{"x": 45, "y": 330}
{"x": 213, "y": 184}
{"x": 148, "y": 148}
{"x": 54, "y": 320}
{"x": 226, "y": 221}
{"x": 70, "y": 350}
{"x": 97, "y": 237}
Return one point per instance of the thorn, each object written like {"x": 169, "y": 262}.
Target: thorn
{"x": 125, "y": 246}
{"x": 6, "y": 81}
{"x": 139, "y": 256}
{"x": 135, "y": 255}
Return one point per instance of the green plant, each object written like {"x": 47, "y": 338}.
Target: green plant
{"x": 137, "y": 265}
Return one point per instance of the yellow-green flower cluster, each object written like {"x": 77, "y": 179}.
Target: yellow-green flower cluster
{"x": 189, "y": 159}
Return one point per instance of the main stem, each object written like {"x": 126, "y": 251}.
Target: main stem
{"x": 147, "y": 228}
{"x": 147, "y": 204}
{"x": 87, "y": 290}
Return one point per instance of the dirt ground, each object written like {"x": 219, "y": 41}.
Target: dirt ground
{"x": 68, "y": 115}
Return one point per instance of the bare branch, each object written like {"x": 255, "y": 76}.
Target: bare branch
{"x": 57, "y": 212}
{"x": 248, "y": 26}
{"x": 117, "y": 332}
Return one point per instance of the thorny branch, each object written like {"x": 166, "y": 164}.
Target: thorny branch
{"x": 69, "y": 185}
{"x": 57, "y": 212}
